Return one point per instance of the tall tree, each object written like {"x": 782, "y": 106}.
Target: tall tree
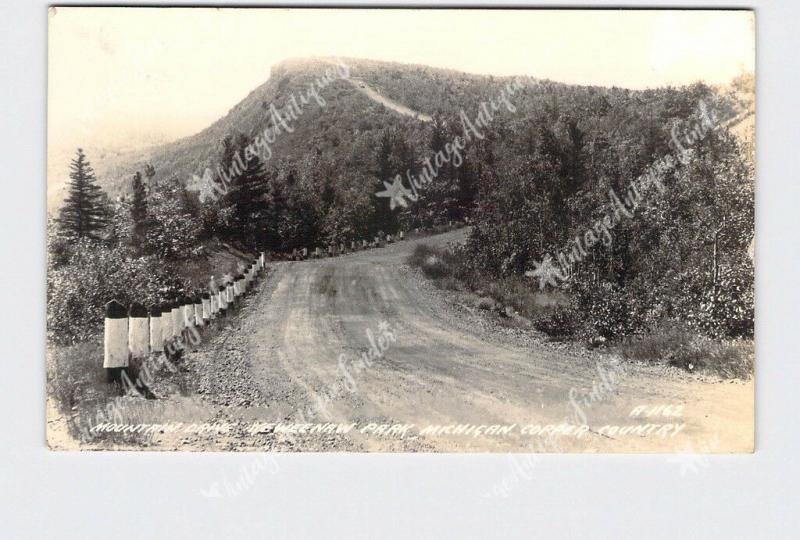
{"x": 149, "y": 171}
{"x": 386, "y": 167}
{"x": 84, "y": 213}
{"x": 247, "y": 199}
{"x": 139, "y": 207}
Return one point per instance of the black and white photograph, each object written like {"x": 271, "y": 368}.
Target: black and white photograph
{"x": 384, "y": 270}
{"x": 313, "y": 230}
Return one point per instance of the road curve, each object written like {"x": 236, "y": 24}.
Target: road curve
{"x": 375, "y": 96}
{"x": 313, "y": 316}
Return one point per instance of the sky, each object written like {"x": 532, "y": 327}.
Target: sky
{"x": 126, "y": 77}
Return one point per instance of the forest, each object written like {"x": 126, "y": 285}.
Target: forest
{"x": 540, "y": 177}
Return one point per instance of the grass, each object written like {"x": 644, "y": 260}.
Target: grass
{"x": 217, "y": 260}
{"x": 680, "y": 346}
{"x": 671, "y": 343}
{"x": 75, "y": 371}
{"x": 450, "y": 271}
{"x": 78, "y": 385}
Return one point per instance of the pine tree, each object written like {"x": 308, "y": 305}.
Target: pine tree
{"x": 394, "y": 156}
{"x": 138, "y": 206}
{"x": 84, "y": 212}
{"x": 438, "y": 196}
{"x": 150, "y": 172}
{"x": 247, "y": 198}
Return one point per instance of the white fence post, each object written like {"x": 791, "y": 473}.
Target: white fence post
{"x": 237, "y": 286}
{"x": 222, "y": 299}
{"x": 138, "y": 331}
{"x": 177, "y": 318}
{"x": 156, "y": 341}
{"x": 188, "y": 312}
{"x": 199, "y": 320}
{"x": 166, "y": 323}
{"x": 115, "y": 340}
{"x": 206, "y": 300}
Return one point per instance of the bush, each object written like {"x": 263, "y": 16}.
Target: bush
{"x": 609, "y": 310}
{"x": 681, "y": 346}
{"x": 452, "y": 269}
{"x": 435, "y": 264}
{"x": 486, "y": 304}
{"x": 94, "y": 275}
{"x": 561, "y": 322}
{"x": 729, "y": 313}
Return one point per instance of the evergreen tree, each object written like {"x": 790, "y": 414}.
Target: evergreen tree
{"x": 382, "y": 217}
{"x": 150, "y": 172}
{"x": 247, "y": 199}
{"x": 139, "y": 207}
{"x": 438, "y": 197}
{"x": 84, "y": 212}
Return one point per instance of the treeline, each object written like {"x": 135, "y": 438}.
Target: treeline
{"x": 132, "y": 249}
{"x": 534, "y": 181}
{"x": 679, "y": 252}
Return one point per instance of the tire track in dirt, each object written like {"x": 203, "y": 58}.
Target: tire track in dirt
{"x": 444, "y": 369}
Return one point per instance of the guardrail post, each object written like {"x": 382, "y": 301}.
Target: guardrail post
{"x": 206, "y": 300}
{"x": 221, "y": 299}
{"x": 115, "y": 341}
{"x": 199, "y": 320}
{"x": 187, "y": 311}
{"x": 177, "y": 318}
{"x": 166, "y": 323}
{"x": 138, "y": 331}
{"x": 156, "y": 341}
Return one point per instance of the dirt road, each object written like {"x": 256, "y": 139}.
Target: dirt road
{"x": 441, "y": 365}
{"x": 374, "y": 95}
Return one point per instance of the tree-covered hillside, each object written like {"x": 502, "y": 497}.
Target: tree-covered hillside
{"x": 536, "y": 168}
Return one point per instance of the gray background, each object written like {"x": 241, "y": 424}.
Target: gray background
{"x": 156, "y": 495}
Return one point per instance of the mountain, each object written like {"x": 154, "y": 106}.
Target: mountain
{"x": 378, "y": 95}
{"x": 341, "y": 137}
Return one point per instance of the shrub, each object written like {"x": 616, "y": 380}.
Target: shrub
{"x": 433, "y": 263}
{"x": 679, "y": 345}
{"x": 485, "y": 303}
{"x": 94, "y": 275}
{"x": 561, "y": 322}
{"x": 609, "y": 310}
